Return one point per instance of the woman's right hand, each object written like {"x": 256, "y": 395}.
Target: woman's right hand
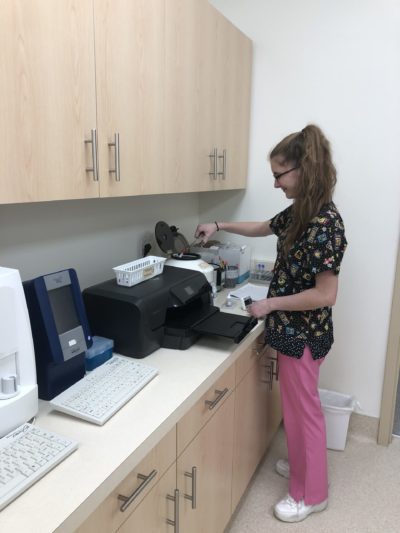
{"x": 205, "y": 231}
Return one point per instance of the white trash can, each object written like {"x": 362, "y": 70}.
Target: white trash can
{"x": 337, "y": 409}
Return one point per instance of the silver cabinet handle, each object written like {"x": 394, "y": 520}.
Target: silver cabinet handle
{"x": 175, "y": 521}
{"x": 116, "y": 170}
{"x": 259, "y": 349}
{"x": 268, "y": 381}
{"x": 223, "y": 157}
{"x": 220, "y": 394}
{"x": 95, "y": 167}
{"x": 272, "y": 370}
{"x": 274, "y": 365}
{"x": 213, "y": 171}
{"x": 129, "y": 499}
{"x": 193, "y": 497}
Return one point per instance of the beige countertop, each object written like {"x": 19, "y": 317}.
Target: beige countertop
{"x": 68, "y": 494}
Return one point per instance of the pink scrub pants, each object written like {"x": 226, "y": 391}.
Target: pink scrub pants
{"x": 304, "y": 425}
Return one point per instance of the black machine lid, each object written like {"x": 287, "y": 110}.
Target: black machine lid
{"x": 172, "y": 242}
{"x": 228, "y": 325}
{"x": 165, "y": 238}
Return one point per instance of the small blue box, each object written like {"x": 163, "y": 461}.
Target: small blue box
{"x": 99, "y": 353}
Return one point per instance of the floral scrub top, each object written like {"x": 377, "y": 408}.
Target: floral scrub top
{"x": 321, "y": 247}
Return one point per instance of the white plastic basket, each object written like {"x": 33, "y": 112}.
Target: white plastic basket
{"x": 140, "y": 270}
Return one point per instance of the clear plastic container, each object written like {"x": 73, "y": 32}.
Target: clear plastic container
{"x": 231, "y": 276}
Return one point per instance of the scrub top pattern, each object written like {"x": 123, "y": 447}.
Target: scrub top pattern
{"x": 320, "y": 248}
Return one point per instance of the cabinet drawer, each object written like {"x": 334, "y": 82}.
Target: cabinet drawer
{"x": 203, "y": 410}
{"x": 153, "y": 512}
{"x": 108, "y": 516}
{"x": 249, "y": 357}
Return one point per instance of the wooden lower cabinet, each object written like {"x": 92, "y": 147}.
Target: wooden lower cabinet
{"x": 211, "y": 453}
{"x": 206, "y": 461}
{"x": 250, "y": 437}
{"x": 257, "y": 415}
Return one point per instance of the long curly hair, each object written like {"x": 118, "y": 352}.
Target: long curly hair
{"x": 310, "y": 151}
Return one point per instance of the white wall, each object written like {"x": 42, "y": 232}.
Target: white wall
{"x": 336, "y": 64}
{"x": 92, "y": 236}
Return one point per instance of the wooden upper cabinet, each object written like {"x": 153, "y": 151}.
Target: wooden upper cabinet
{"x": 208, "y": 78}
{"x": 161, "y": 84}
{"x": 47, "y": 104}
{"x": 233, "y": 80}
{"x": 130, "y": 81}
{"x": 190, "y": 94}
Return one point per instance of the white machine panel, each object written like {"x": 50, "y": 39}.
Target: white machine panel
{"x": 18, "y": 388}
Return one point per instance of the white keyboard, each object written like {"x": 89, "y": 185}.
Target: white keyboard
{"x": 103, "y": 391}
{"x": 26, "y": 455}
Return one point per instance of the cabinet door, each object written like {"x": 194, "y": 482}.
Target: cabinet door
{"x": 154, "y": 511}
{"x": 274, "y": 397}
{"x": 208, "y": 77}
{"x": 47, "y": 104}
{"x": 211, "y": 453}
{"x": 130, "y": 81}
{"x": 250, "y": 436}
{"x": 233, "y": 84}
{"x": 190, "y": 94}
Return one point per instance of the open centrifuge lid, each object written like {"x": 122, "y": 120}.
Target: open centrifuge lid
{"x": 172, "y": 242}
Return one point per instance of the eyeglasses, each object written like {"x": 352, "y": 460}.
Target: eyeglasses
{"x": 278, "y": 176}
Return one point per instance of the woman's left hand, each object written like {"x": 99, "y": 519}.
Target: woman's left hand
{"x": 260, "y": 308}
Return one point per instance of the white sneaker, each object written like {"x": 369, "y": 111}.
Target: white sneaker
{"x": 282, "y": 467}
{"x": 288, "y": 510}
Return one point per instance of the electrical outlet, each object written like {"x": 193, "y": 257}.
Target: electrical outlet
{"x": 148, "y": 239}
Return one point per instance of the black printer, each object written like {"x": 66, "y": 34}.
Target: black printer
{"x": 170, "y": 310}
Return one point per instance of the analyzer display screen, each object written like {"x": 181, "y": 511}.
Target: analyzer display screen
{"x": 64, "y": 310}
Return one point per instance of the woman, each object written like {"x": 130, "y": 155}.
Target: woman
{"x": 298, "y": 308}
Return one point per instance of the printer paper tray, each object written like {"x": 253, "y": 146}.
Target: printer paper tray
{"x": 234, "y": 327}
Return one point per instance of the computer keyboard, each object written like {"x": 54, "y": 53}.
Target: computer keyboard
{"x": 102, "y": 392}
{"x": 26, "y": 455}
